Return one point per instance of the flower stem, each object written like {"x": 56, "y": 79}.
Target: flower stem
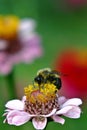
{"x": 11, "y": 85}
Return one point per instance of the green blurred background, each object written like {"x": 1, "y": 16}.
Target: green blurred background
{"x": 59, "y": 29}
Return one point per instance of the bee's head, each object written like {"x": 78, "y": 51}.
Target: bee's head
{"x": 39, "y": 79}
{"x": 42, "y": 76}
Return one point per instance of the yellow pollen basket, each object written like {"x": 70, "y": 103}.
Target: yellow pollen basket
{"x": 8, "y": 26}
{"x": 36, "y": 94}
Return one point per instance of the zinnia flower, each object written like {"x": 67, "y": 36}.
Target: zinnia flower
{"x": 39, "y": 104}
{"x": 72, "y": 64}
{"x": 18, "y": 42}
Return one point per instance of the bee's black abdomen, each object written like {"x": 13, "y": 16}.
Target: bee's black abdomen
{"x": 58, "y": 83}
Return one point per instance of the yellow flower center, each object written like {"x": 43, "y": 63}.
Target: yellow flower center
{"x": 44, "y": 94}
{"x": 8, "y": 26}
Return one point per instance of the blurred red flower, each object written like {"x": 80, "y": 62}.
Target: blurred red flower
{"x": 73, "y": 66}
{"x": 77, "y": 2}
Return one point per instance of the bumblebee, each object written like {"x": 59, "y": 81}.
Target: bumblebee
{"x": 47, "y": 75}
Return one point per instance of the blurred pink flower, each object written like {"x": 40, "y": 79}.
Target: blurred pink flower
{"x": 19, "y": 112}
{"x": 24, "y": 46}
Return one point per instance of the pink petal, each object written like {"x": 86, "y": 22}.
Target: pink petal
{"x": 5, "y": 114}
{"x": 61, "y": 100}
{"x": 25, "y": 29}
{"x": 15, "y": 117}
{"x": 73, "y": 101}
{"x": 73, "y": 113}
{"x": 7, "y": 110}
{"x": 26, "y": 25}
{"x": 3, "y": 57}
{"x": 30, "y": 53}
{"x": 64, "y": 110}
{"x": 11, "y": 115}
{"x": 3, "y": 44}
{"x": 5, "y": 67}
{"x": 50, "y": 114}
{"x": 23, "y": 98}
{"x": 39, "y": 124}
{"x": 19, "y": 120}
{"x": 15, "y": 104}
{"x": 58, "y": 119}
{"x": 4, "y": 121}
